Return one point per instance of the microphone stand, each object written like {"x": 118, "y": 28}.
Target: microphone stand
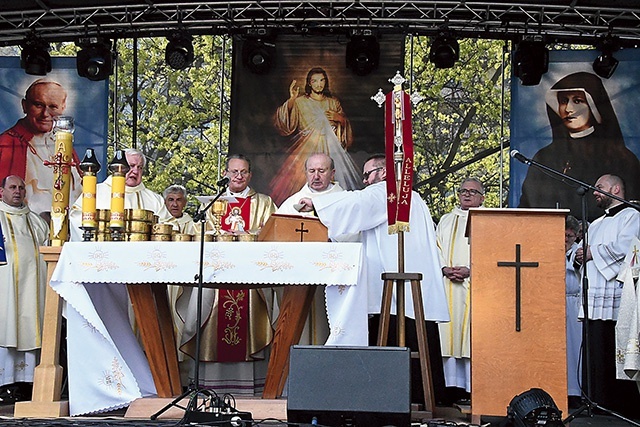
{"x": 194, "y": 385}
{"x": 582, "y": 190}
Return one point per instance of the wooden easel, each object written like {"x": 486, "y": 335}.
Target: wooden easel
{"x": 399, "y": 279}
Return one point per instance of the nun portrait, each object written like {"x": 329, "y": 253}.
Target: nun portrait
{"x": 587, "y": 143}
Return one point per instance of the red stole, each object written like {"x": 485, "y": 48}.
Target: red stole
{"x": 233, "y": 305}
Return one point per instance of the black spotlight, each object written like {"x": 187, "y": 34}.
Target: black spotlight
{"x": 445, "y": 51}
{"x": 35, "y": 58}
{"x": 95, "y": 59}
{"x": 534, "y": 408}
{"x": 179, "y": 52}
{"x": 605, "y": 64}
{"x": 530, "y": 62}
{"x": 258, "y": 55}
{"x": 363, "y": 54}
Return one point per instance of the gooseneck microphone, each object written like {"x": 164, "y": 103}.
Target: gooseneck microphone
{"x": 223, "y": 182}
{"x": 516, "y": 155}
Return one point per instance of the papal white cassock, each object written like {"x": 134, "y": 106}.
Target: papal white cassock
{"x": 365, "y": 211}
{"x": 23, "y": 281}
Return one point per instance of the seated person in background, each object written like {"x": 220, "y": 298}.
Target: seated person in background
{"x": 175, "y": 198}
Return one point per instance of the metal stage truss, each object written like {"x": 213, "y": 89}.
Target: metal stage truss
{"x": 554, "y": 21}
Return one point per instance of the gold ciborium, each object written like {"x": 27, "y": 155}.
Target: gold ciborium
{"x": 218, "y": 210}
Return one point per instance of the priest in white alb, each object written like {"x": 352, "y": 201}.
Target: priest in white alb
{"x": 23, "y": 276}
{"x": 453, "y": 247}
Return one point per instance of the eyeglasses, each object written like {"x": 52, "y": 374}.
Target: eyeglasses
{"x": 469, "y": 192}
{"x": 241, "y": 173}
{"x": 365, "y": 176}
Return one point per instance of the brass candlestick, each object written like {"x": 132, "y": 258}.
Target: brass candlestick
{"x": 119, "y": 168}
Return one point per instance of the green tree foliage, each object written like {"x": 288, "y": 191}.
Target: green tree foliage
{"x": 459, "y": 121}
{"x": 183, "y": 115}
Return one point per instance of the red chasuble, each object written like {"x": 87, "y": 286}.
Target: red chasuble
{"x": 233, "y": 305}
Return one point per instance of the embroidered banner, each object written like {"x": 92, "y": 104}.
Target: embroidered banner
{"x": 399, "y": 159}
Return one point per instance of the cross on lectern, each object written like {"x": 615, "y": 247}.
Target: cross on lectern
{"x": 518, "y": 264}
{"x": 301, "y": 230}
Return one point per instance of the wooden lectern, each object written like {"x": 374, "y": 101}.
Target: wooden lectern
{"x": 518, "y": 338}
{"x": 296, "y": 300}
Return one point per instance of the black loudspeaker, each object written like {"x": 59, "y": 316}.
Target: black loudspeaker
{"x": 349, "y": 386}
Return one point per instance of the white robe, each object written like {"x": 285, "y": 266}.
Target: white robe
{"x": 455, "y": 342}
{"x": 610, "y": 238}
{"x": 138, "y": 197}
{"x": 316, "y": 329}
{"x": 365, "y": 211}
{"x": 628, "y": 325}
{"x": 24, "y": 280}
{"x": 184, "y": 224}
{"x": 574, "y": 324}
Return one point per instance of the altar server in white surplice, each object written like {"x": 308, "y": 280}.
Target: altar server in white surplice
{"x": 453, "y": 247}
{"x": 628, "y": 325}
{"x": 365, "y": 211}
{"x": 23, "y": 280}
{"x": 573, "y": 291}
{"x": 136, "y": 196}
{"x": 609, "y": 238}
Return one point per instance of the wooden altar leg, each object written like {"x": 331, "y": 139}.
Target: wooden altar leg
{"x": 47, "y": 377}
{"x": 296, "y": 303}
{"x": 151, "y": 308}
{"x": 399, "y": 280}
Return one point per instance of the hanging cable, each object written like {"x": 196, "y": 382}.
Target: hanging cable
{"x": 505, "y": 52}
{"x": 221, "y": 100}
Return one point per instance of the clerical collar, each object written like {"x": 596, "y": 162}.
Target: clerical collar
{"x": 582, "y": 133}
{"x": 614, "y": 210}
{"x": 243, "y": 193}
{"x": 321, "y": 191}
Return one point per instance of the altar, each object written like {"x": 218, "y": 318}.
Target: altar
{"x": 107, "y": 367}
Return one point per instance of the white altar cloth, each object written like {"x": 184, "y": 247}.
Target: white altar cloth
{"x": 107, "y": 368}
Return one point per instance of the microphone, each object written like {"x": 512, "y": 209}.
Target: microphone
{"x": 223, "y": 182}
{"x": 516, "y": 154}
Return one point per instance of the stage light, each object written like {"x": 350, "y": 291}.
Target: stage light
{"x": 95, "y": 59}
{"x": 444, "y": 51}
{"x": 534, "y": 408}
{"x": 363, "y": 54}
{"x": 179, "y": 52}
{"x": 258, "y": 55}
{"x": 530, "y": 62}
{"x": 605, "y": 64}
{"x": 35, "y": 58}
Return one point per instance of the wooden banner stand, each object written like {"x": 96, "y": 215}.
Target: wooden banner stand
{"x": 518, "y": 338}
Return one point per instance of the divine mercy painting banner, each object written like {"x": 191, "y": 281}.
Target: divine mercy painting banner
{"x": 277, "y": 125}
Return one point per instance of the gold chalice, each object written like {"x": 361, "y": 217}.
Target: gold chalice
{"x": 218, "y": 210}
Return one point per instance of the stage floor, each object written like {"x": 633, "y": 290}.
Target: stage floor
{"x": 445, "y": 417}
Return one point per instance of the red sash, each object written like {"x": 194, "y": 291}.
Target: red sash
{"x": 233, "y": 305}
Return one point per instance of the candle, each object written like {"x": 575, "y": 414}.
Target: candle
{"x": 119, "y": 168}
{"x": 89, "y": 185}
{"x": 117, "y": 201}
{"x": 90, "y": 166}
